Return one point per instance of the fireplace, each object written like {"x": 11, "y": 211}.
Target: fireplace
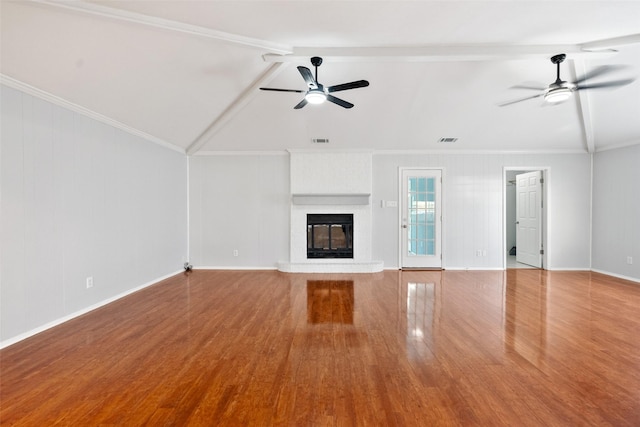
{"x": 336, "y": 185}
{"x": 329, "y": 235}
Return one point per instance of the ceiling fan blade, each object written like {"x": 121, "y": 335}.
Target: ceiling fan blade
{"x": 598, "y": 71}
{"x": 282, "y": 90}
{"x": 339, "y": 101}
{"x": 614, "y": 83}
{"x": 300, "y": 104}
{"x": 346, "y": 86}
{"x": 520, "y": 100}
{"x": 529, "y": 87}
{"x": 308, "y": 77}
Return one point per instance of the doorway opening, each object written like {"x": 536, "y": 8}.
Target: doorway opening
{"x": 525, "y": 226}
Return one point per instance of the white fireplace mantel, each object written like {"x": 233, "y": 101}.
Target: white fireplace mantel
{"x": 330, "y": 199}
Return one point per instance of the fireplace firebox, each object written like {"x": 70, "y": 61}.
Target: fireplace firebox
{"x": 329, "y": 235}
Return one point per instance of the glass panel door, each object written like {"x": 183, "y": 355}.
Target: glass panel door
{"x": 421, "y": 218}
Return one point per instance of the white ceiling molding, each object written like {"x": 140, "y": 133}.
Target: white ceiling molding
{"x": 242, "y": 153}
{"x": 165, "y": 24}
{"x": 611, "y": 43}
{"x": 382, "y": 152}
{"x": 437, "y": 53}
{"x": 620, "y": 145}
{"x": 56, "y": 100}
{"x": 242, "y": 100}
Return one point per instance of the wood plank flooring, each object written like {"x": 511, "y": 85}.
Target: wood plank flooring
{"x": 412, "y": 348}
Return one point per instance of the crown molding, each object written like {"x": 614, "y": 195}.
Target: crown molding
{"x": 165, "y": 24}
{"x": 619, "y": 145}
{"x": 241, "y": 153}
{"x": 477, "y": 152}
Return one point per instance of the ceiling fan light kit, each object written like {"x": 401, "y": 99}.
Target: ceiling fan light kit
{"x": 558, "y": 94}
{"x": 315, "y": 96}
{"x": 317, "y": 93}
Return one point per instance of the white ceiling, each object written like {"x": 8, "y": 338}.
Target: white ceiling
{"x": 186, "y": 73}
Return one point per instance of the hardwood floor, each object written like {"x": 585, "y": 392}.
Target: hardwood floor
{"x": 419, "y": 348}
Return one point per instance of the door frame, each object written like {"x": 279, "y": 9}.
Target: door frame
{"x": 401, "y": 202}
{"x": 545, "y": 220}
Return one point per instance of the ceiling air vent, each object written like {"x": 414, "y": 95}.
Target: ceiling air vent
{"x": 320, "y": 140}
{"x": 447, "y": 140}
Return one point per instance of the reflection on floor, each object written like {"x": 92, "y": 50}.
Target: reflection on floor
{"x": 330, "y": 301}
{"x": 512, "y": 263}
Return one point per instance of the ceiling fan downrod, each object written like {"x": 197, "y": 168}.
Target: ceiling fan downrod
{"x": 558, "y": 59}
{"x": 316, "y": 61}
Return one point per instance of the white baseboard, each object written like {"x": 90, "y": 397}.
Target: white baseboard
{"x": 231, "y": 267}
{"x": 331, "y": 267}
{"x": 48, "y": 325}
{"x": 619, "y": 276}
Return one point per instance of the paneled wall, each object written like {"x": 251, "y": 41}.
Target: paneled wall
{"x": 227, "y": 192}
{"x": 473, "y": 206}
{"x": 616, "y": 212}
{"x": 239, "y": 210}
{"x": 81, "y": 199}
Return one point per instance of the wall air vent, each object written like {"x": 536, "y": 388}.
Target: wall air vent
{"x": 447, "y": 140}
{"x": 320, "y": 140}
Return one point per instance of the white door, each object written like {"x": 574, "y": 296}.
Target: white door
{"x": 421, "y": 218}
{"x": 529, "y": 218}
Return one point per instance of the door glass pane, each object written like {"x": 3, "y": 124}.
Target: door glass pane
{"x": 421, "y": 219}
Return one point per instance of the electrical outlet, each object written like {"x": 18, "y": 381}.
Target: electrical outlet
{"x": 235, "y": 252}
{"x": 478, "y": 253}
{"x": 629, "y": 260}
{"x": 89, "y": 282}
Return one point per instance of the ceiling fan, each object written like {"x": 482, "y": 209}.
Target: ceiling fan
{"x": 561, "y": 90}
{"x": 317, "y": 93}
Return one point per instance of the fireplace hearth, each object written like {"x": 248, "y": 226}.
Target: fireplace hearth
{"x": 329, "y": 236}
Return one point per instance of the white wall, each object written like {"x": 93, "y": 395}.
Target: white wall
{"x": 473, "y": 206}
{"x": 80, "y": 198}
{"x": 239, "y": 202}
{"x": 616, "y": 212}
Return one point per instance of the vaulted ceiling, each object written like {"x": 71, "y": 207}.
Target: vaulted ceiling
{"x": 187, "y": 73}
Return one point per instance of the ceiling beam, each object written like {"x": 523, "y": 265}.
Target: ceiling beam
{"x": 436, "y": 53}
{"x": 243, "y": 99}
{"x": 611, "y": 43}
{"x": 165, "y": 24}
{"x": 584, "y": 110}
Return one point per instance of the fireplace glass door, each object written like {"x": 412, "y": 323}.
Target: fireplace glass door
{"x": 329, "y": 235}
